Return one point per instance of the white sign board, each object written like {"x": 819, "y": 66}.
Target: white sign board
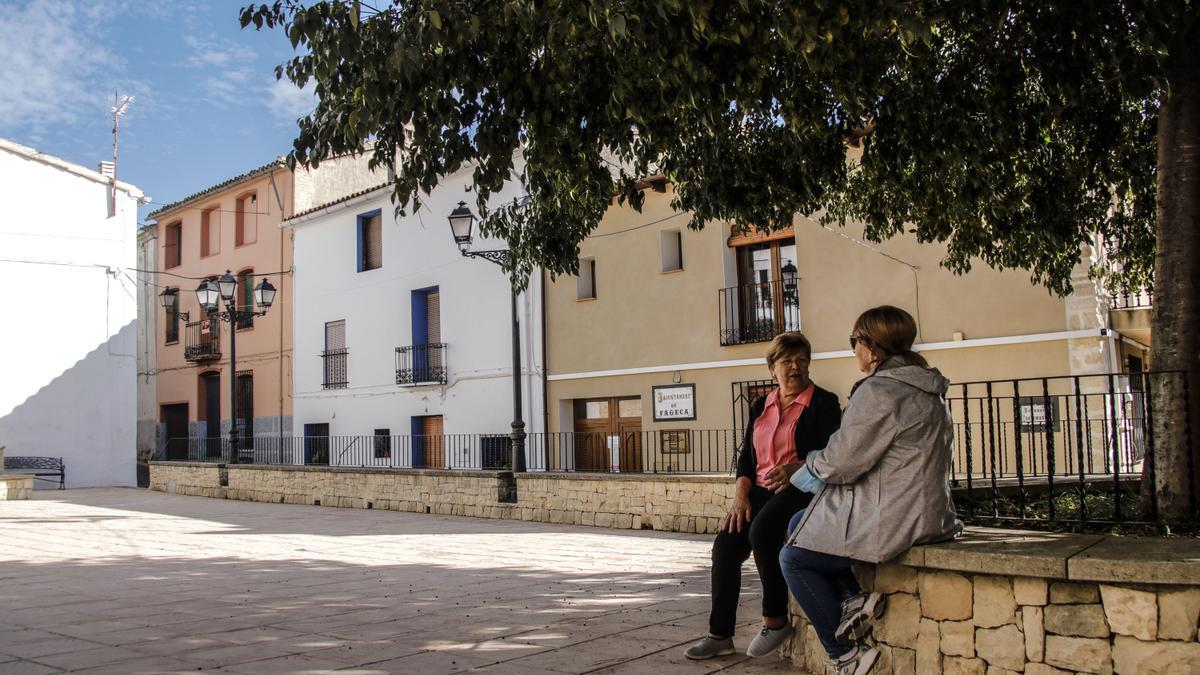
{"x": 675, "y": 402}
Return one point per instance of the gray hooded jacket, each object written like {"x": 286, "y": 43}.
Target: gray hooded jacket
{"x": 886, "y": 471}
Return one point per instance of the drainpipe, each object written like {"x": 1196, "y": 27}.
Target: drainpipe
{"x": 545, "y": 382}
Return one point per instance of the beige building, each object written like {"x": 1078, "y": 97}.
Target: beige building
{"x": 656, "y": 348}
{"x": 233, "y": 226}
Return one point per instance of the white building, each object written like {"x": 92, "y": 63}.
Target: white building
{"x": 401, "y": 338}
{"x": 69, "y": 356}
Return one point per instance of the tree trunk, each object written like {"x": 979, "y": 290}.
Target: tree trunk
{"x": 1175, "y": 321}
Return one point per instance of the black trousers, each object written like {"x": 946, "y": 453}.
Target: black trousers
{"x": 765, "y": 537}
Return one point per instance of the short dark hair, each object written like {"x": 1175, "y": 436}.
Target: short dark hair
{"x": 791, "y": 342}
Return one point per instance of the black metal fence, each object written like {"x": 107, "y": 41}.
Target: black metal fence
{"x": 1060, "y": 453}
{"x": 418, "y": 364}
{"x": 1068, "y": 452}
{"x": 757, "y": 312}
{"x": 683, "y": 451}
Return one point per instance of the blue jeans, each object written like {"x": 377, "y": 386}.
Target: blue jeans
{"x": 819, "y": 582}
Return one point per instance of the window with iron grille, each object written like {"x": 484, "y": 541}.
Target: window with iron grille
{"x": 370, "y": 241}
{"x": 334, "y": 358}
{"x": 172, "y": 333}
{"x": 245, "y": 402}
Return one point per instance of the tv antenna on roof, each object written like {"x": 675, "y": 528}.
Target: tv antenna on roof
{"x": 120, "y": 105}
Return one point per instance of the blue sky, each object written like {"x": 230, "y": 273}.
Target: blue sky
{"x": 207, "y": 105}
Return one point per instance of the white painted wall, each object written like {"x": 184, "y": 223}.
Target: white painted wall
{"x": 69, "y": 348}
{"x": 418, "y": 252}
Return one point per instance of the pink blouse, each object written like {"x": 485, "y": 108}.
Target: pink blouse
{"x": 775, "y": 432}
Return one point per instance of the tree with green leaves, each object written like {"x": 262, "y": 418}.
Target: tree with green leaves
{"x": 1016, "y": 132}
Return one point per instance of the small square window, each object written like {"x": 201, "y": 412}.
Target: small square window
{"x": 671, "y": 247}
{"x": 585, "y": 283}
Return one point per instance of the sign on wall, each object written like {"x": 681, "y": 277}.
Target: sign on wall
{"x": 674, "y": 402}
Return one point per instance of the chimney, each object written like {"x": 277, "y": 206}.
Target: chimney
{"x": 107, "y": 169}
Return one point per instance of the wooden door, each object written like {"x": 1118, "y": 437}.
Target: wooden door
{"x": 175, "y": 423}
{"x": 429, "y": 448}
{"x": 608, "y": 434}
{"x": 593, "y": 426}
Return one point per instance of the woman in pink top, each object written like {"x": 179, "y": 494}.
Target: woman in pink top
{"x": 794, "y": 419}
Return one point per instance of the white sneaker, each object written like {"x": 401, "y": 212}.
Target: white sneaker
{"x": 858, "y": 613}
{"x": 709, "y": 647}
{"x": 768, "y": 640}
{"x": 858, "y": 661}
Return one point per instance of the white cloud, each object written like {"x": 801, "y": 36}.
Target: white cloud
{"x": 287, "y": 102}
{"x": 58, "y": 70}
{"x": 213, "y": 53}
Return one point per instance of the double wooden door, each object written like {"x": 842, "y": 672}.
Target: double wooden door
{"x": 608, "y": 434}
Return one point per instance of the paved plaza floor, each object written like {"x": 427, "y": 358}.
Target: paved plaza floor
{"x": 131, "y": 581}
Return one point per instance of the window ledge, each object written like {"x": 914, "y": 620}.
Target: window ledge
{"x": 674, "y": 271}
{"x": 591, "y": 299}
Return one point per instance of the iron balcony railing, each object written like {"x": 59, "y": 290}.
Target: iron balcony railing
{"x": 757, "y": 312}
{"x": 421, "y": 364}
{"x": 203, "y": 340}
{"x": 334, "y": 369}
{"x": 1131, "y": 299}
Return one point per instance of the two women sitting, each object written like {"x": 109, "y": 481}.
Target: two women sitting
{"x": 880, "y": 486}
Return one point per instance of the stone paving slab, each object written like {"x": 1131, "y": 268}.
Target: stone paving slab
{"x": 131, "y": 581}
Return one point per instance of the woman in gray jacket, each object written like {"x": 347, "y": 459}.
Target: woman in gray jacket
{"x": 882, "y": 486}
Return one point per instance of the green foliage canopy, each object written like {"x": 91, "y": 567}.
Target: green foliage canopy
{"x": 1014, "y": 131}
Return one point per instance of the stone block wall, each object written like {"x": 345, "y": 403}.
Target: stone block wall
{"x": 451, "y": 493}
{"x": 197, "y": 479}
{"x": 648, "y": 502}
{"x": 15, "y": 486}
{"x": 948, "y": 622}
{"x": 661, "y": 502}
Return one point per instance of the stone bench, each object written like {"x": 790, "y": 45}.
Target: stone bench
{"x": 1002, "y": 601}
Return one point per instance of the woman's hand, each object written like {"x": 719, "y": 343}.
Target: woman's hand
{"x": 780, "y": 477}
{"x": 737, "y": 516}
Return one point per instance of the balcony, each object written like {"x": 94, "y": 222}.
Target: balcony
{"x": 203, "y": 341}
{"x": 1127, "y": 299}
{"x": 757, "y": 312}
{"x": 334, "y": 369}
{"x": 421, "y": 364}
{"x": 1130, "y": 313}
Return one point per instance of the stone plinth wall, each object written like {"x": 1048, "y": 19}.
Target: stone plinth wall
{"x": 659, "y": 502}
{"x": 186, "y": 478}
{"x": 997, "y": 603}
{"x": 451, "y": 493}
{"x": 673, "y": 503}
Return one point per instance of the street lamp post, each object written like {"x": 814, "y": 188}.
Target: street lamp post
{"x": 225, "y": 288}
{"x": 461, "y": 223}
